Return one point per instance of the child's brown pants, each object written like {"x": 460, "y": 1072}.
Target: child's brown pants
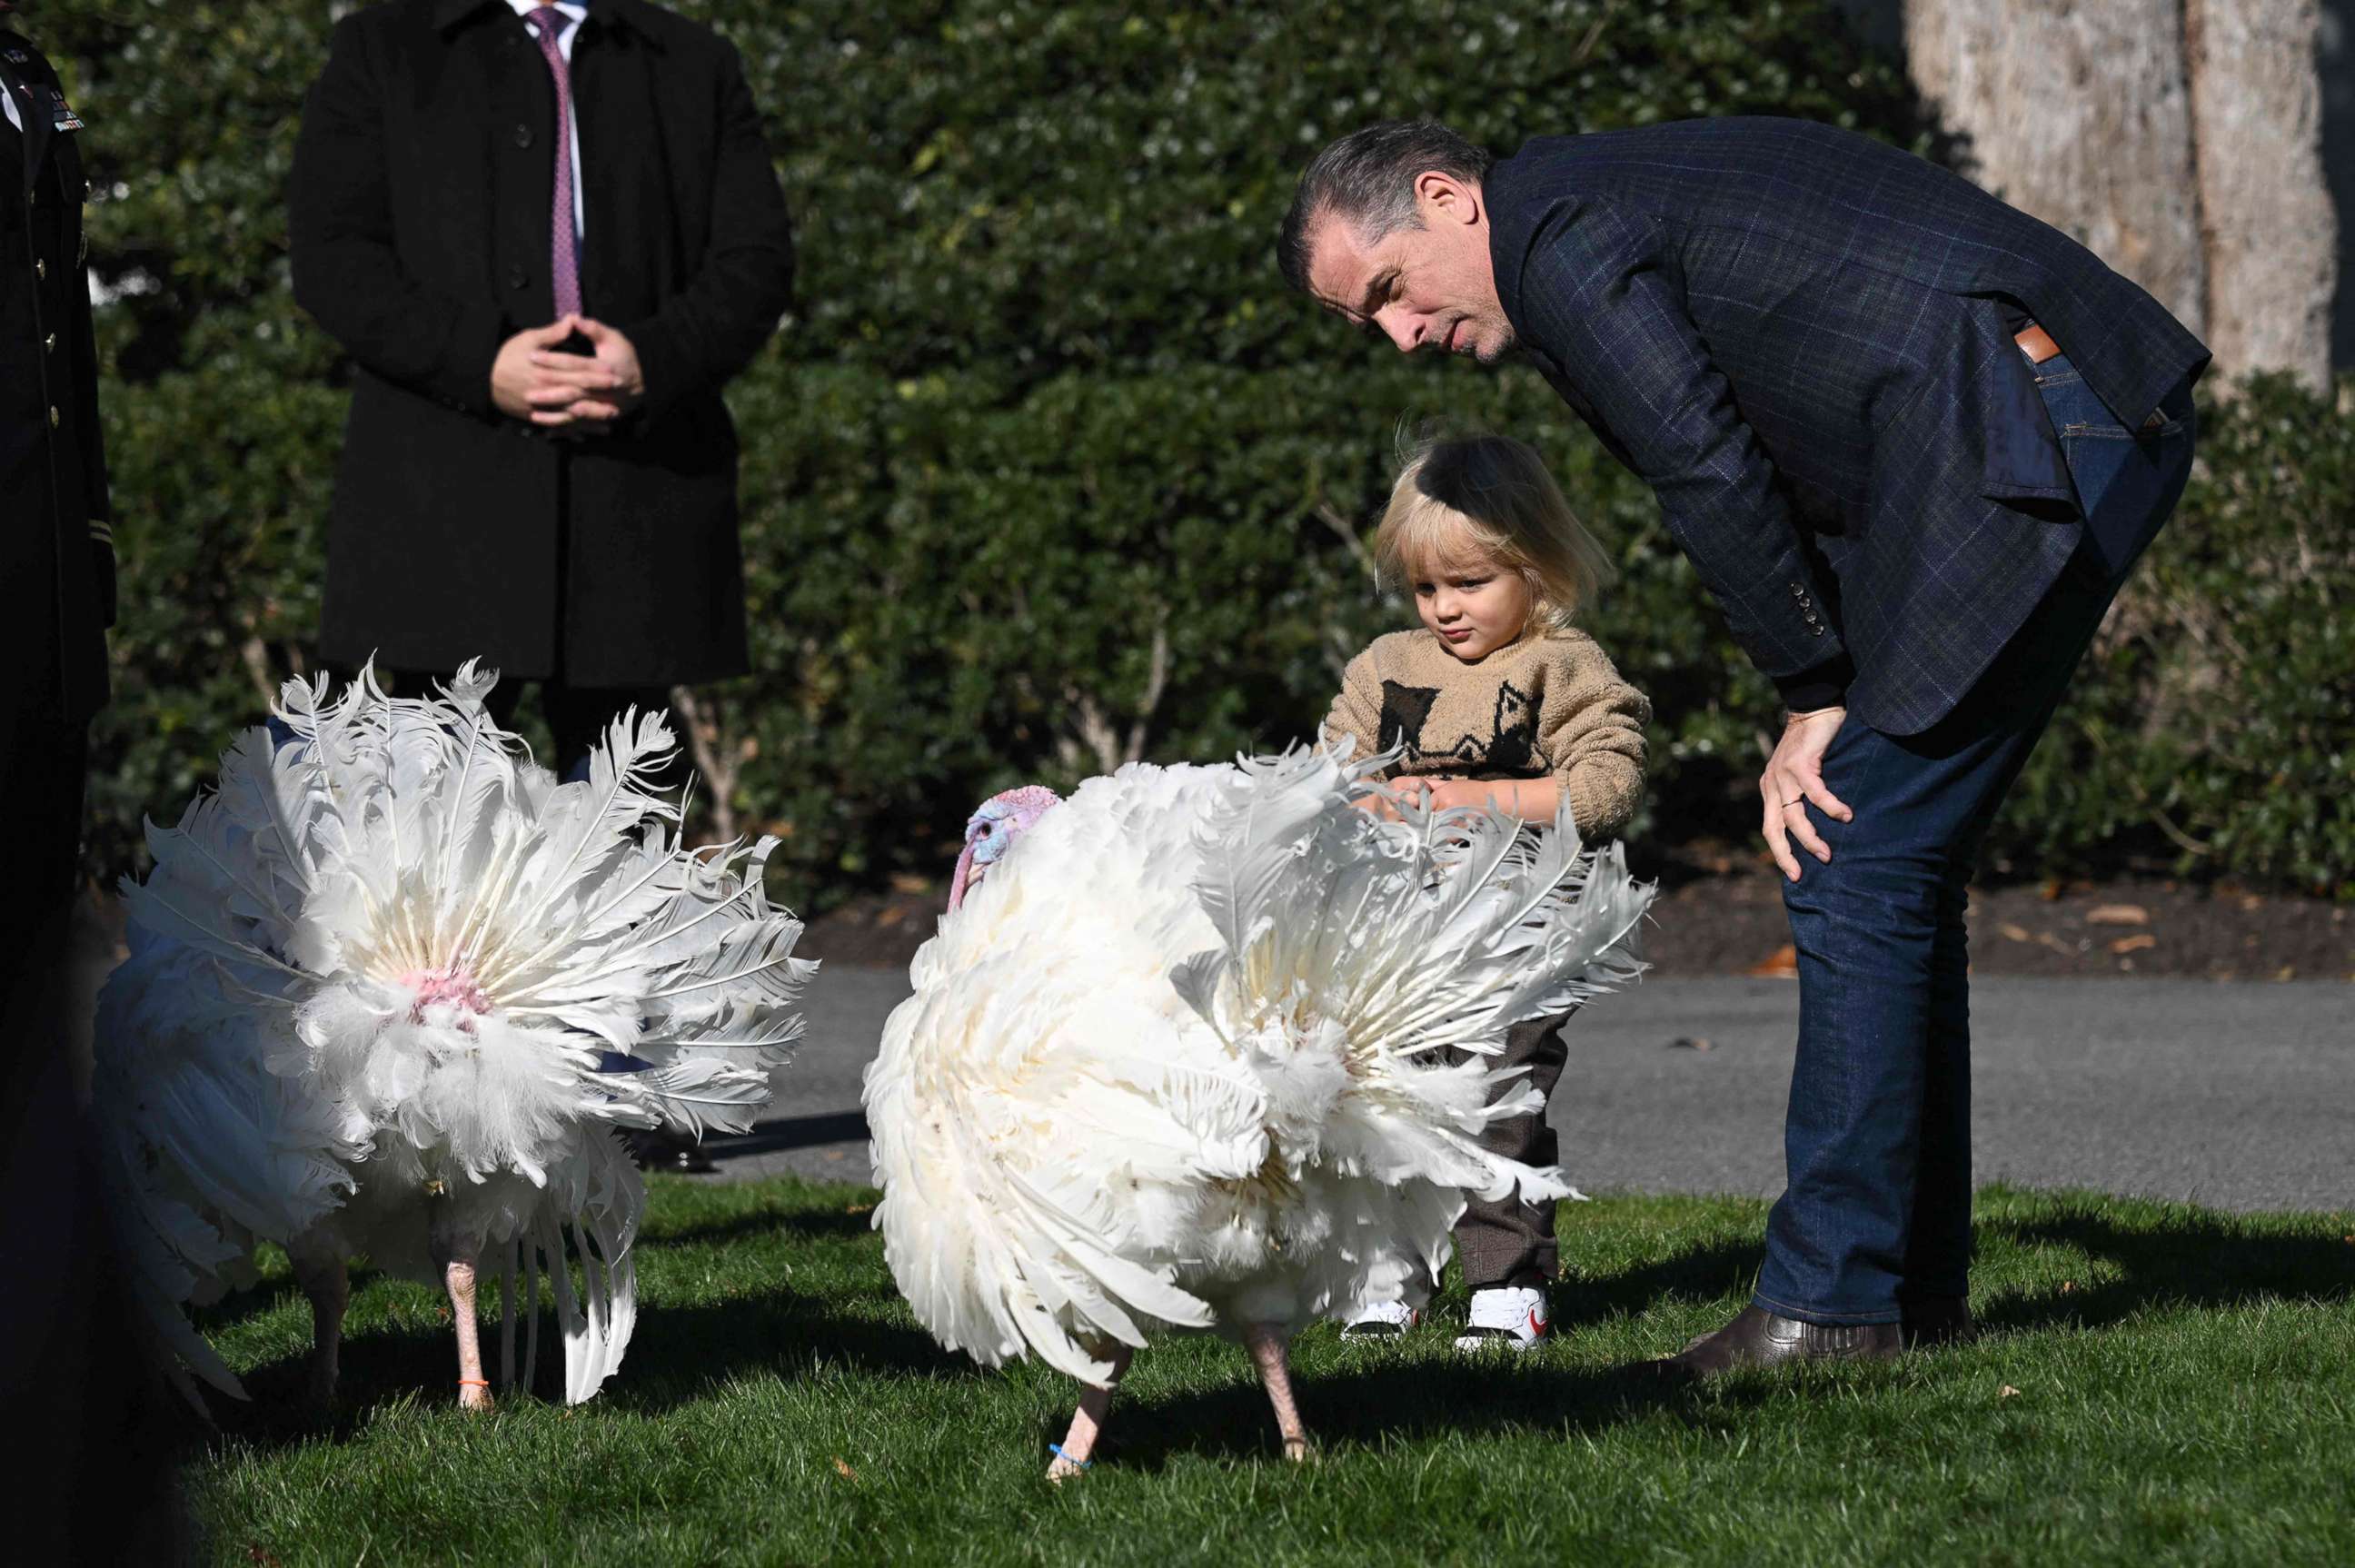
{"x": 1509, "y": 1242}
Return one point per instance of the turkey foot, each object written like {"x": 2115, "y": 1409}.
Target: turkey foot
{"x": 1267, "y": 1342}
{"x": 319, "y": 1270}
{"x": 1087, "y": 1422}
{"x": 456, "y": 1255}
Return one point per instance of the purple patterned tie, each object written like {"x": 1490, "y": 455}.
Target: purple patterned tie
{"x": 564, "y": 256}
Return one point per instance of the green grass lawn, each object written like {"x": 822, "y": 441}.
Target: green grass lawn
{"x": 2158, "y": 1383}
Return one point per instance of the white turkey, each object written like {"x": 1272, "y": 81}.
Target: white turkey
{"x": 392, "y": 990}
{"x": 1203, "y": 1047}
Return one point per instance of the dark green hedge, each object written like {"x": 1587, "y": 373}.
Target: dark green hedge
{"x": 1047, "y": 467}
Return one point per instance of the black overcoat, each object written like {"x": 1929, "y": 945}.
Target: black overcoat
{"x": 56, "y": 555}
{"x": 418, "y": 221}
{"x": 1803, "y": 339}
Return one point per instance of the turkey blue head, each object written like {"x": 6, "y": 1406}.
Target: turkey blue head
{"x": 990, "y": 832}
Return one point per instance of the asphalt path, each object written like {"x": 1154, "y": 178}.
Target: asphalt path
{"x": 2237, "y": 1095}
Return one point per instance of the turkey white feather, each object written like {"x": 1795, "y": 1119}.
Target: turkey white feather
{"x": 391, "y": 990}
{"x": 1204, "y": 1048}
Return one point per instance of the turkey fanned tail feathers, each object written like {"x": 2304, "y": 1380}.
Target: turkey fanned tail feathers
{"x": 390, "y": 957}
{"x": 1206, "y": 1047}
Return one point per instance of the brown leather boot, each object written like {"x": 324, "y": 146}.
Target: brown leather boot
{"x": 1757, "y": 1338}
{"x": 1931, "y": 1322}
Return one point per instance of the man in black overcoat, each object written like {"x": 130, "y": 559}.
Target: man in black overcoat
{"x": 547, "y": 236}
{"x": 1913, "y": 441}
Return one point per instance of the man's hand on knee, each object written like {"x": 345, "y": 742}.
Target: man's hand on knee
{"x": 1795, "y": 775}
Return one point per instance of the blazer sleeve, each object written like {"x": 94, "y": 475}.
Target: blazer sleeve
{"x": 712, "y": 328}
{"x": 1356, "y": 708}
{"x": 346, "y": 273}
{"x": 1600, "y": 301}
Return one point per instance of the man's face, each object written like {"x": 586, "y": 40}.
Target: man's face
{"x": 1428, "y": 288}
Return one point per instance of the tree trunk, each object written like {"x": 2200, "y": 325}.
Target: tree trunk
{"x": 2271, "y": 236}
{"x": 2079, "y": 114}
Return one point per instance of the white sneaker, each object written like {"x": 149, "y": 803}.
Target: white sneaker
{"x": 1507, "y": 1317}
{"x": 1381, "y": 1320}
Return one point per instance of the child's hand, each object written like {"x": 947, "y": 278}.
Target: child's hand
{"x": 1430, "y": 793}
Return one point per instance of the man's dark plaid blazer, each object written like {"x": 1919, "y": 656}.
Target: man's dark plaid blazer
{"x": 1803, "y": 339}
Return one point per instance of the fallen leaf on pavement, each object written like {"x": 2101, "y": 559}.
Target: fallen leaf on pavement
{"x": 1782, "y": 966}
{"x": 1690, "y": 1043}
{"x": 2016, "y": 932}
{"x": 2117, "y": 914}
{"x": 2134, "y": 943}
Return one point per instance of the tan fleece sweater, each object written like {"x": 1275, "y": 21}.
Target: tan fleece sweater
{"x": 1551, "y": 704}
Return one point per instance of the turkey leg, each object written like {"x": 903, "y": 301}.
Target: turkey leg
{"x": 1267, "y": 1342}
{"x": 456, "y": 1253}
{"x": 319, "y": 1270}
{"x": 1087, "y": 1422}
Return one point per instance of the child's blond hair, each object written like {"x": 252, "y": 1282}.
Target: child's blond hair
{"x": 1486, "y": 497}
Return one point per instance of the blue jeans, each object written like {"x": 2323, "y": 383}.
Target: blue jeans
{"x": 1878, "y": 1141}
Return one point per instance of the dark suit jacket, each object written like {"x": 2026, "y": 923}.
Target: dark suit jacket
{"x": 423, "y": 180}
{"x": 1803, "y": 339}
{"x": 57, "y": 554}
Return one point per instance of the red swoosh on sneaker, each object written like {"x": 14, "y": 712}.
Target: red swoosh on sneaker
{"x": 1538, "y": 1325}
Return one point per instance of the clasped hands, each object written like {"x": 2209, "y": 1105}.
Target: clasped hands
{"x": 533, "y": 380}
{"x": 1515, "y": 797}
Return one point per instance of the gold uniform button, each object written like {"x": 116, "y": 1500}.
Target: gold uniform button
{"x": 40, "y": 269}
{"x": 50, "y": 343}
{"x": 53, "y": 416}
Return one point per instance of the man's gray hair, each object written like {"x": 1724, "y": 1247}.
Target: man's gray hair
{"x": 1367, "y": 179}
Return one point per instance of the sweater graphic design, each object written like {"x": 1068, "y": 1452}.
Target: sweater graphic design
{"x": 1510, "y": 750}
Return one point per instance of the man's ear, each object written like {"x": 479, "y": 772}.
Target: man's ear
{"x": 1443, "y": 198}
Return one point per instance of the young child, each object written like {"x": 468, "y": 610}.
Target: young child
{"x": 1497, "y": 699}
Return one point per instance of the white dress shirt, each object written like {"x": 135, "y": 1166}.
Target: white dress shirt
{"x": 574, "y": 13}
{"x": 8, "y": 101}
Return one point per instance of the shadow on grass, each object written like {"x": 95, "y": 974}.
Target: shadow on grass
{"x": 1408, "y": 1400}
{"x": 265, "y": 1295}
{"x": 1707, "y": 1272}
{"x": 677, "y": 1354}
{"x": 2191, "y": 1260}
